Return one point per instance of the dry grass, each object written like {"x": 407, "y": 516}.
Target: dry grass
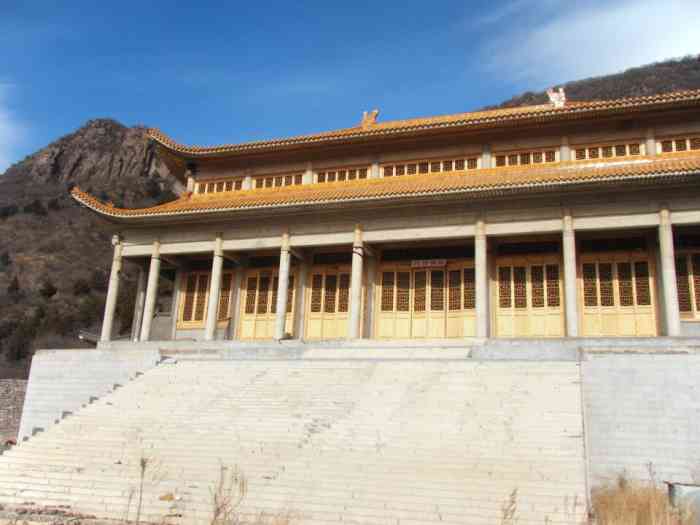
{"x": 633, "y": 503}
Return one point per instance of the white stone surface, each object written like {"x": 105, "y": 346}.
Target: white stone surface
{"x": 371, "y": 441}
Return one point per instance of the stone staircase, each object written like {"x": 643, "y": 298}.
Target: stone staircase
{"x": 354, "y": 441}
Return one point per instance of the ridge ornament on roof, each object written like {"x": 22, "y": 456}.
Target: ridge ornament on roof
{"x": 369, "y": 118}
{"x": 557, "y": 97}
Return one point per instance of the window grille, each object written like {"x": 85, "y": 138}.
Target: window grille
{"x": 520, "y": 286}
{"x": 624, "y": 280}
{"x": 344, "y": 175}
{"x": 344, "y": 292}
{"x": 201, "y": 302}
{"x": 608, "y": 151}
{"x": 680, "y": 144}
{"x": 537, "y": 278}
{"x": 504, "y": 287}
{"x": 683, "y": 280}
{"x": 641, "y": 283}
{"x": 329, "y": 298}
{"x": 437, "y": 292}
{"x": 190, "y": 292}
{"x": 387, "y": 291}
{"x": 290, "y": 295}
{"x": 455, "y": 290}
{"x": 605, "y": 276}
{"x": 525, "y": 158}
{"x": 419, "y": 286}
{"x": 590, "y": 285}
{"x": 263, "y": 294}
{"x": 403, "y": 285}
{"x": 316, "y": 291}
{"x": 251, "y": 290}
{"x": 553, "y": 293}
{"x": 423, "y": 167}
{"x": 469, "y": 289}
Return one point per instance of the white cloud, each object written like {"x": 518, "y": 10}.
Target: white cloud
{"x": 573, "y": 41}
{"x": 11, "y": 130}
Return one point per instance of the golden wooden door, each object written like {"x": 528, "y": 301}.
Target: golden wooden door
{"x": 618, "y": 295}
{"x": 328, "y": 303}
{"x": 425, "y": 303}
{"x": 529, "y": 297}
{"x": 259, "y": 304}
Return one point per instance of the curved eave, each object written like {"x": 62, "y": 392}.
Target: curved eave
{"x": 469, "y": 121}
{"x": 213, "y": 210}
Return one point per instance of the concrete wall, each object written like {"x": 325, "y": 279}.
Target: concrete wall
{"x": 11, "y": 400}
{"x": 65, "y": 380}
{"x": 640, "y": 410}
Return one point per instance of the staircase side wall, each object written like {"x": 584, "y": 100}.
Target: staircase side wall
{"x": 11, "y": 400}
{"x": 642, "y": 410}
{"x": 65, "y": 380}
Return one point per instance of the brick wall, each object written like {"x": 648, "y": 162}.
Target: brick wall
{"x": 11, "y": 400}
{"x": 642, "y": 410}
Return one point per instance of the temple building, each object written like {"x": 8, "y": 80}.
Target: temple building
{"x": 566, "y": 219}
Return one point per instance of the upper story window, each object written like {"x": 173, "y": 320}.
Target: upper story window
{"x": 277, "y": 181}
{"x": 341, "y": 175}
{"x": 526, "y": 158}
{"x": 430, "y": 166}
{"x": 219, "y": 186}
{"x": 608, "y": 151}
{"x": 677, "y": 144}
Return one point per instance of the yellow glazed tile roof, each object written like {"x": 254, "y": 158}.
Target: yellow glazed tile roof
{"x": 425, "y": 185}
{"x": 473, "y": 120}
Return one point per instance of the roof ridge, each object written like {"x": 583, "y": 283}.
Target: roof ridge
{"x": 474, "y": 119}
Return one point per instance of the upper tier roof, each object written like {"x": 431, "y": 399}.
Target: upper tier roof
{"x": 468, "y": 121}
{"x": 464, "y": 184}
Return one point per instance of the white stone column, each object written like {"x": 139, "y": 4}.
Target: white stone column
{"x": 650, "y": 142}
{"x": 139, "y": 304}
{"x": 369, "y": 294}
{"x": 112, "y": 290}
{"x": 672, "y": 316}
{"x": 282, "y": 288}
{"x": 151, "y": 293}
{"x": 481, "y": 277}
{"x": 570, "y": 295}
{"x": 374, "y": 170}
{"x": 564, "y": 150}
{"x": 214, "y": 290}
{"x": 486, "y": 156}
{"x": 308, "y": 176}
{"x": 355, "y": 317}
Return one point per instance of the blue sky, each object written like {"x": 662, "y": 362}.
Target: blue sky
{"x": 215, "y": 72}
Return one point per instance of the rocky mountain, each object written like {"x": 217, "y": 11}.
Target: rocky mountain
{"x": 55, "y": 257}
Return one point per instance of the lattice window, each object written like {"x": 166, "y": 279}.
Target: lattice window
{"x": 269, "y": 182}
{"x": 525, "y": 158}
{"x": 200, "y": 305}
{"x": 259, "y": 183}
{"x": 504, "y": 287}
{"x": 316, "y": 292}
{"x": 537, "y": 280}
{"x": 459, "y": 165}
{"x": 278, "y": 181}
{"x": 190, "y": 291}
{"x": 225, "y": 296}
{"x": 387, "y": 291}
{"x": 290, "y": 295}
{"x": 624, "y": 283}
{"x": 400, "y": 170}
{"x": 608, "y": 151}
{"x": 469, "y": 289}
{"x": 605, "y": 275}
{"x": 430, "y": 166}
{"x": 590, "y": 285}
{"x": 553, "y": 293}
{"x": 211, "y": 187}
{"x": 447, "y": 165}
{"x": 251, "y": 291}
{"x": 641, "y": 282}
{"x": 263, "y": 294}
{"x": 520, "y": 286}
{"x": 435, "y": 167}
{"x": 695, "y": 143}
{"x": 329, "y": 296}
{"x": 472, "y": 164}
{"x": 344, "y": 292}
{"x": 437, "y": 292}
{"x": 419, "y": 287}
{"x": 411, "y": 169}
{"x": 288, "y": 180}
{"x": 680, "y": 144}
{"x": 454, "y": 300}
{"x": 345, "y": 174}
{"x": 667, "y": 146}
{"x": 683, "y": 284}
{"x": 220, "y": 186}
{"x": 403, "y": 284}
{"x": 422, "y": 167}
{"x": 388, "y": 171}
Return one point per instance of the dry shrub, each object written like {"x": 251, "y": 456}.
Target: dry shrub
{"x": 227, "y": 495}
{"x": 626, "y": 502}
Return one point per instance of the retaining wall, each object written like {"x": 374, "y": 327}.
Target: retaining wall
{"x": 11, "y": 400}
